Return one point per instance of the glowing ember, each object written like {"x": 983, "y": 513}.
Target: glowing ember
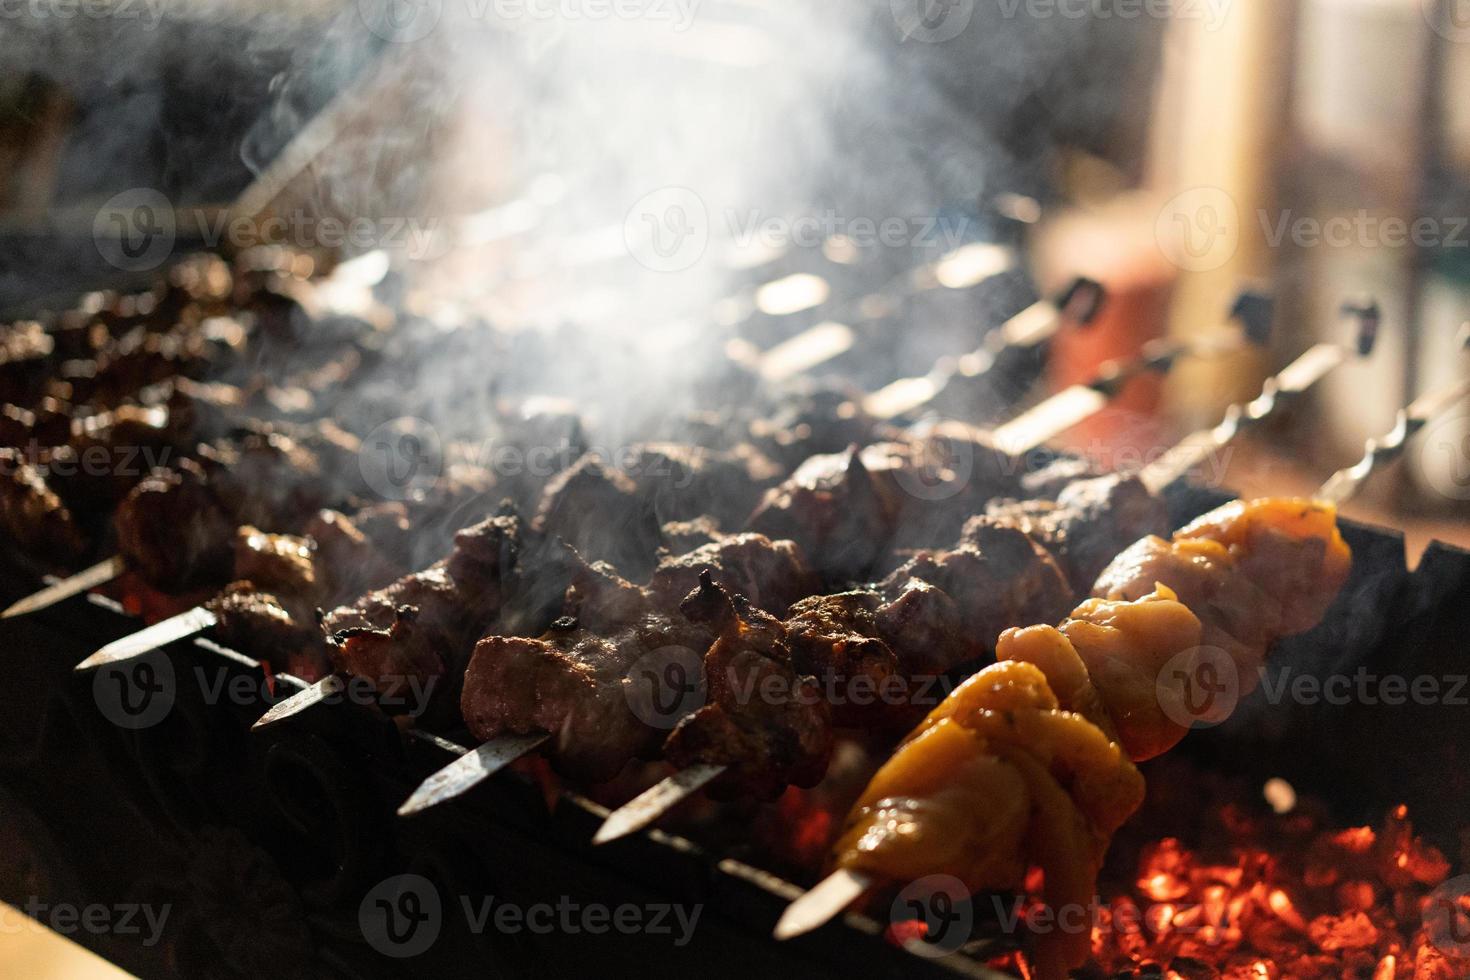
{"x": 1277, "y": 897}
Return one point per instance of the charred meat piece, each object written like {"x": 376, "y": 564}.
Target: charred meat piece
{"x": 251, "y": 620}
{"x": 599, "y": 512}
{"x": 765, "y": 721}
{"x": 1086, "y": 526}
{"x": 267, "y": 480}
{"x": 684, "y": 482}
{"x": 820, "y": 422}
{"x": 574, "y": 683}
{"x": 836, "y": 638}
{"x": 33, "y": 516}
{"x": 107, "y": 454}
{"x": 835, "y": 510}
{"x": 943, "y": 478}
{"x": 770, "y": 574}
{"x": 283, "y": 564}
{"x": 997, "y": 578}
{"x": 438, "y": 613}
{"x": 408, "y": 655}
{"x": 172, "y": 529}
{"x": 348, "y": 555}
{"x": 682, "y": 537}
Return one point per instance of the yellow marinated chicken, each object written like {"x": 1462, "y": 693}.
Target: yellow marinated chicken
{"x": 1030, "y": 763}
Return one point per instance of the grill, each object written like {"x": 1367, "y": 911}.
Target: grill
{"x": 271, "y": 846}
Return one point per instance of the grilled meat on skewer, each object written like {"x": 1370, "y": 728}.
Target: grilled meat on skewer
{"x": 1030, "y": 762}
{"x": 771, "y": 575}
{"x": 600, "y": 513}
{"x": 1088, "y": 523}
{"x": 34, "y": 517}
{"x": 765, "y": 743}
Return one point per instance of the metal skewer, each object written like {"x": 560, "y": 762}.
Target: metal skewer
{"x": 1081, "y": 302}
{"x": 1346, "y": 483}
{"x": 88, "y": 578}
{"x": 839, "y": 889}
{"x": 667, "y": 794}
{"x": 1299, "y": 376}
{"x": 1285, "y": 387}
{"x": 180, "y": 627}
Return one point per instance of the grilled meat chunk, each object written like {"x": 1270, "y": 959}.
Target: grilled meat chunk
{"x": 257, "y": 622}
{"x": 599, "y": 512}
{"x": 835, "y": 510}
{"x": 770, "y": 574}
{"x": 766, "y": 722}
{"x": 1086, "y": 526}
{"x": 684, "y": 482}
{"x": 429, "y": 619}
{"x": 33, "y": 516}
{"x": 998, "y": 577}
{"x": 173, "y": 530}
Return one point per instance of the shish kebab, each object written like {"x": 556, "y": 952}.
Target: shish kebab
{"x": 1039, "y": 424}
{"x": 1031, "y": 761}
{"x": 172, "y": 415}
{"x": 241, "y": 341}
{"x": 824, "y": 622}
{"x": 1036, "y": 753}
{"x": 1120, "y": 505}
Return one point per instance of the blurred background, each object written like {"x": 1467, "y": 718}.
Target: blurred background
{"x": 504, "y": 153}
